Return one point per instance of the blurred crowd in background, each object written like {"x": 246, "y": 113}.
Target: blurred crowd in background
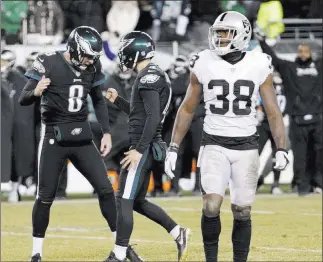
{"x": 185, "y": 22}
{"x": 26, "y": 20}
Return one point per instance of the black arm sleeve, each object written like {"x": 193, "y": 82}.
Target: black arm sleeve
{"x": 277, "y": 62}
{"x": 123, "y": 104}
{"x": 151, "y": 101}
{"x": 27, "y": 96}
{"x": 100, "y": 108}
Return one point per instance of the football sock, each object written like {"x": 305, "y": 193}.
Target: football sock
{"x": 37, "y": 246}
{"x": 14, "y": 186}
{"x": 276, "y": 177}
{"x": 175, "y": 232}
{"x": 125, "y": 221}
{"x": 211, "y": 229}
{"x": 114, "y": 235}
{"x": 40, "y": 218}
{"x": 155, "y": 213}
{"x": 120, "y": 252}
{"x": 108, "y": 209}
{"x": 241, "y": 236}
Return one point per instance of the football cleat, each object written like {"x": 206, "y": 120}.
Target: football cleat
{"x": 132, "y": 255}
{"x": 112, "y": 258}
{"x": 36, "y": 258}
{"x": 182, "y": 243}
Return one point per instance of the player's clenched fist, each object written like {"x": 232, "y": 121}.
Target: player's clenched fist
{"x": 111, "y": 95}
{"x": 41, "y": 86}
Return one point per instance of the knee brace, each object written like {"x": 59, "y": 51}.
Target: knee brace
{"x": 241, "y": 213}
{"x": 211, "y": 205}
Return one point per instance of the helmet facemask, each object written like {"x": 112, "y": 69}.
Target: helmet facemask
{"x": 127, "y": 63}
{"x": 235, "y": 40}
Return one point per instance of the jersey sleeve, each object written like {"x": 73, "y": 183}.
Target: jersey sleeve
{"x": 266, "y": 67}
{"x": 151, "y": 81}
{"x": 196, "y": 65}
{"x": 39, "y": 68}
{"x": 100, "y": 77}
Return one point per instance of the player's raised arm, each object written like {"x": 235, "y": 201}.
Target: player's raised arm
{"x": 37, "y": 82}
{"x": 275, "y": 120}
{"x": 113, "y": 96}
{"x": 32, "y": 90}
{"x": 186, "y": 111}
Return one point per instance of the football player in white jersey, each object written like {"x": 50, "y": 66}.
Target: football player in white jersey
{"x": 229, "y": 78}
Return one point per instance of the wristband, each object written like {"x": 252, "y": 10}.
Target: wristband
{"x": 282, "y": 149}
{"x": 173, "y": 147}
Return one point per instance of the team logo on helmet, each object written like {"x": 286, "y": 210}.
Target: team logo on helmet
{"x": 246, "y": 26}
{"x": 84, "y": 45}
{"x": 125, "y": 43}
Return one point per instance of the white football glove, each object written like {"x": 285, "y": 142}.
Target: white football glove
{"x": 259, "y": 33}
{"x": 170, "y": 163}
{"x": 282, "y": 159}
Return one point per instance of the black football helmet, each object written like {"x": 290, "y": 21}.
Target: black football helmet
{"x": 134, "y": 47}
{"x": 84, "y": 41}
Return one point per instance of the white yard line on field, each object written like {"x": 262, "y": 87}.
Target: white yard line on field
{"x": 259, "y": 212}
{"x": 159, "y": 199}
{"x": 155, "y": 242}
{"x": 175, "y": 199}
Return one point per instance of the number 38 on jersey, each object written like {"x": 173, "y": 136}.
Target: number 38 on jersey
{"x": 225, "y": 98}
{"x": 230, "y": 90}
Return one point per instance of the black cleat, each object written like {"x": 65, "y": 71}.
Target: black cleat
{"x": 112, "y": 258}
{"x": 35, "y": 258}
{"x": 182, "y": 243}
{"x": 132, "y": 255}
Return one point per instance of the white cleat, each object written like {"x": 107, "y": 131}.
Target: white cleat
{"x": 277, "y": 191}
{"x": 13, "y": 196}
{"x": 318, "y": 190}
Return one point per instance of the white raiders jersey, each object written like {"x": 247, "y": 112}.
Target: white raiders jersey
{"x": 230, "y": 91}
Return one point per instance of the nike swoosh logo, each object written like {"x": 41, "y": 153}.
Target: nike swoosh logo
{"x": 41, "y": 60}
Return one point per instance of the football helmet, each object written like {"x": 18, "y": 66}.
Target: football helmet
{"x": 238, "y": 35}
{"x": 8, "y": 59}
{"x": 134, "y": 47}
{"x": 84, "y": 41}
{"x": 31, "y": 58}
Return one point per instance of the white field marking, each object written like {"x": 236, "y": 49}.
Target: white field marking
{"x": 290, "y": 249}
{"x": 159, "y": 199}
{"x": 157, "y": 242}
{"x": 178, "y": 199}
{"x": 258, "y": 212}
{"x": 75, "y": 229}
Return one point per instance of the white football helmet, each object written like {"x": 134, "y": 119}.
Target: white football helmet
{"x": 238, "y": 37}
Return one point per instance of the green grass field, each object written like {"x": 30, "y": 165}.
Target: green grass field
{"x": 285, "y": 228}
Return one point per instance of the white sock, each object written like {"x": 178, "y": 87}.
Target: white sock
{"x": 14, "y": 186}
{"x": 114, "y": 235}
{"x": 120, "y": 252}
{"x": 37, "y": 246}
{"x": 175, "y": 232}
